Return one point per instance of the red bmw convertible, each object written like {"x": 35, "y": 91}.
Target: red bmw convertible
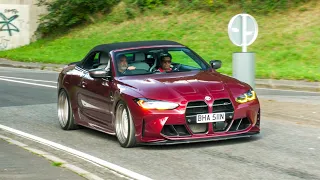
{"x": 155, "y": 92}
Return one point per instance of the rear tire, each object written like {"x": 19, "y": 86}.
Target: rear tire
{"x": 65, "y": 114}
{"x": 125, "y": 130}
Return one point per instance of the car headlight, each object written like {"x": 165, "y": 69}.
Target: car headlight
{"x": 246, "y": 97}
{"x": 154, "y": 104}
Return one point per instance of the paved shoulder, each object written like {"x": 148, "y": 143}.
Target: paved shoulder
{"x": 18, "y": 163}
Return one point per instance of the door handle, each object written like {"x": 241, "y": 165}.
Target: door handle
{"x": 83, "y": 84}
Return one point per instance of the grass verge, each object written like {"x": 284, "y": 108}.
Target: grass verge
{"x": 57, "y": 164}
{"x": 287, "y": 46}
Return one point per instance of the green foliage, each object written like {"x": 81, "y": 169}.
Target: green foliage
{"x": 130, "y": 13}
{"x": 249, "y": 6}
{"x": 64, "y": 14}
{"x": 148, "y": 4}
{"x": 58, "y": 164}
{"x": 268, "y": 6}
{"x": 285, "y": 48}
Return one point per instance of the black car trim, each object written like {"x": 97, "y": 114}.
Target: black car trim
{"x": 171, "y": 142}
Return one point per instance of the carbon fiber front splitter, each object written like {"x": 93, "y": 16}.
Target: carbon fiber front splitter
{"x": 170, "y": 142}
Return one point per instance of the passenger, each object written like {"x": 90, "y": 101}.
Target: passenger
{"x": 165, "y": 62}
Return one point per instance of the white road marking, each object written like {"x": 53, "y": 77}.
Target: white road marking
{"x": 77, "y": 153}
{"x": 311, "y": 148}
{"x": 22, "y": 82}
{"x": 8, "y": 77}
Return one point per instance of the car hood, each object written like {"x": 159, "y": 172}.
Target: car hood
{"x": 176, "y": 85}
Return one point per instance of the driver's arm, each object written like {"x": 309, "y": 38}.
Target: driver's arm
{"x": 131, "y": 68}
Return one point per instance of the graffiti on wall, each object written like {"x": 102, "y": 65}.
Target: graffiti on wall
{"x": 14, "y": 11}
{"x": 14, "y": 26}
{"x": 3, "y": 42}
{"x": 6, "y": 23}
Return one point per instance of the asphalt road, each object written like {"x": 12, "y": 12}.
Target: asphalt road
{"x": 285, "y": 149}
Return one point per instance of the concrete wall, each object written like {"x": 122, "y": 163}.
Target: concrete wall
{"x": 18, "y": 22}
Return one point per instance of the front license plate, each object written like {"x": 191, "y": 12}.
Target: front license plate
{"x": 211, "y": 117}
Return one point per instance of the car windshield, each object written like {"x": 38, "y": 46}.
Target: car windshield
{"x": 157, "y": 60}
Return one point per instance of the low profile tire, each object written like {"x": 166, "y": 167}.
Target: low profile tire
{"x": 125, "y": 130}
{"x": 65, "y": 114}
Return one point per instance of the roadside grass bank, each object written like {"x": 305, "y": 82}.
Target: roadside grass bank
{"x": 287, "y": 46}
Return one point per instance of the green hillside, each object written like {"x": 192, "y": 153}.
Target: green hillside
{"x": 287, "y": 47}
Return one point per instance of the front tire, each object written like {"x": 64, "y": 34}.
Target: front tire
{"x": 65, "y": 114}
{"x": 125, "y": 130}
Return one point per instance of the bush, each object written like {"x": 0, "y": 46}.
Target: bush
{"x": 64, "y": 14}
{"x": 148, "y": 4}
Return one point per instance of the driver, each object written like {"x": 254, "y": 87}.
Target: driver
{"x": 123, "y": 64}
{"x": 165, "y": 62}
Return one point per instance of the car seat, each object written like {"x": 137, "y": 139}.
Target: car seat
{"x": 104, "y": 62}
{"x": 139, "y": 61}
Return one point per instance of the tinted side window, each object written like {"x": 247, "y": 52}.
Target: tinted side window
{"x": 92, "y": 61}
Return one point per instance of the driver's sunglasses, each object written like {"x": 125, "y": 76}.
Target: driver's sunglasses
{"x": 166, "y": 61}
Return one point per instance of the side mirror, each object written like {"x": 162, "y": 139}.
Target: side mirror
{"x": 215, "y": 64}
{"x": 99, "y": 73}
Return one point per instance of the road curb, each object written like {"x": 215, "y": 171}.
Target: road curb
{"x": 42, "y": 67}
{"x": 54, "y": 159}
{"x": 260, "y": 83}
{"x": 288, "y": 87}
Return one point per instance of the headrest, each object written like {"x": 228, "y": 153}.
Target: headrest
{"x": 140, "y": 57}
{"x": 104, "y": 58}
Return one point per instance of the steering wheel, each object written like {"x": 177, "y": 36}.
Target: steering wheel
{"x": 177, "y": 67}
{"x": 152, "y": 69}
{"x": 126, "y": 71}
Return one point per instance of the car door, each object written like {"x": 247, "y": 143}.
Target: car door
{"x": 94, "y": 96}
